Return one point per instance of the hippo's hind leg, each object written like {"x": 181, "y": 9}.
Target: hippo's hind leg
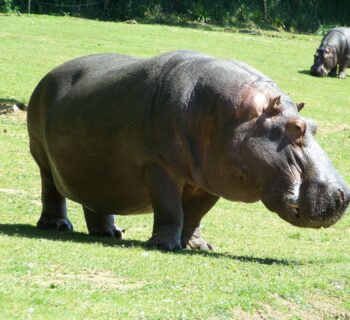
{"x": 54, "y": 213}
{"x": 101, "y": 225}
{"x": 196, "y": 203}
{"x": 165, "y": 193}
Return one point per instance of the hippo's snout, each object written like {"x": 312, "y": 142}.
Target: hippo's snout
{"x": 318, "y": 71}
{"x": 322, "y": 204}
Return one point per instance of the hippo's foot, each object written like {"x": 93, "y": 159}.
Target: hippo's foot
{"x": 112, "y": 232}
{"x": 102, "y": 225}
{"x": 333, "y": 72}
{"x": 51, "y": 223}
{"x": 342, "y": 75}
{"x": 192, "y": 240}
{"x": 165, "y": 241}
{"x": 198, "y": 243}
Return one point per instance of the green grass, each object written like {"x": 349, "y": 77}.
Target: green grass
{"x": 262, "y": 266}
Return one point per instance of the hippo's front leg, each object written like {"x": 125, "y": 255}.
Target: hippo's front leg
{"x": 342, "y": 70}
{"x": 333, "y": 72}
{"x": 195, "y": 205}
{"x": 102, "y": 225}
{"x": 165, "y": 193}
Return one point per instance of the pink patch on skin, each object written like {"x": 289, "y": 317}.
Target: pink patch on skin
{"x": 259, "y": 102}
{"x": 252, "y": 102}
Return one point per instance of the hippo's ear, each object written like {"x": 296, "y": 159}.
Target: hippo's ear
{"x": 274, "y": 107}
{"x": 295, "y": 129}
{"x": 300, "y": 105}
{"x": 329, "y": 52}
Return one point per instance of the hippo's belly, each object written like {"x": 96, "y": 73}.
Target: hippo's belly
{"x": 102, "y": 188}
{"x": 101, "y": 173}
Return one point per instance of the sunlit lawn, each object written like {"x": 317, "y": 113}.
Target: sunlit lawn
{"x": 261, "y": 267}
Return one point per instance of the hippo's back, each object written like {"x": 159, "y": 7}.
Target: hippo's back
{"x": 345, "y": 31}
{"x": 340, "y": 31}
{"x": 62, "y": 79}
{"x": 95, "y": 122}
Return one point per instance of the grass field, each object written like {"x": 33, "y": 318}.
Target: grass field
{"x": 263, "y": 268}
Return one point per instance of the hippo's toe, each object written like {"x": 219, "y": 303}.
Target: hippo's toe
{"x": 114, "y": 232}
{"x": 50, "y": 223}
{"x": 164, "y": 242}
{"x": 342, "y": 75}
{"x": 192, "y": 239}
{"x": 198, "y": 243}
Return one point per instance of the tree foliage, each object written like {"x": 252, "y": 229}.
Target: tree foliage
{"x": 303, "y": 15}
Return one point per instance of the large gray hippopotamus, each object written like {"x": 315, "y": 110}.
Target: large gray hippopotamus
{"x": 171, "y": 135}
{"x": 334, "y": 50}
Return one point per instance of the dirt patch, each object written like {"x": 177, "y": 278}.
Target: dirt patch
{"x": 20, "y": 116}
{"x": 332, "y": 128}
{"x": 318, "y": 307}
{"x": 95, "y": 279}
{"x": 13, "y": 111}
{"x": 9, "y": 106}
{"x": 328, "y": 307}
{"x": 239, "y": 314}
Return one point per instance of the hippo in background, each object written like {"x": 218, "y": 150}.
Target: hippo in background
{"x": 171, "y": 135}
{"x": 334, "y": 50}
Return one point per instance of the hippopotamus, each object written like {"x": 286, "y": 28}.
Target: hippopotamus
{"x": 334, "y": 50}
{"x": 171, "y": 135}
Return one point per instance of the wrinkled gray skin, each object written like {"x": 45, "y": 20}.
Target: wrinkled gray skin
{"x": 172, "y": 134}
{"x": 334, "y": 50}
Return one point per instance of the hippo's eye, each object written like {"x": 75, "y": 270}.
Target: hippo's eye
{"x": 275, "y": 133}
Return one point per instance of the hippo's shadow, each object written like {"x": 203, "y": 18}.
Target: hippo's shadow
{"x": 29, "y": 231}
{"x": 305, "y": 72}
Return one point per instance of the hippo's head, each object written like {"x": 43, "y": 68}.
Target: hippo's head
{"x": 289, "y": 170}
{"x": 325, "y": 60}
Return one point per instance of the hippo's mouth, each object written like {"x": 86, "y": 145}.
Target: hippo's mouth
{"x": 294, "y": 212}
{"x": 292, "y": 200}
{"x": 319, "y": 70}
{"x": 301, "y": 217}
{"x": 315, "y": 205}
{"x": 295, "y": 209}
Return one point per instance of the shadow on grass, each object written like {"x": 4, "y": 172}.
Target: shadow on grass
{"x": 307, "y": 72}
{"x": 29, "y": 231}
{"x": 251, "y": 259}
